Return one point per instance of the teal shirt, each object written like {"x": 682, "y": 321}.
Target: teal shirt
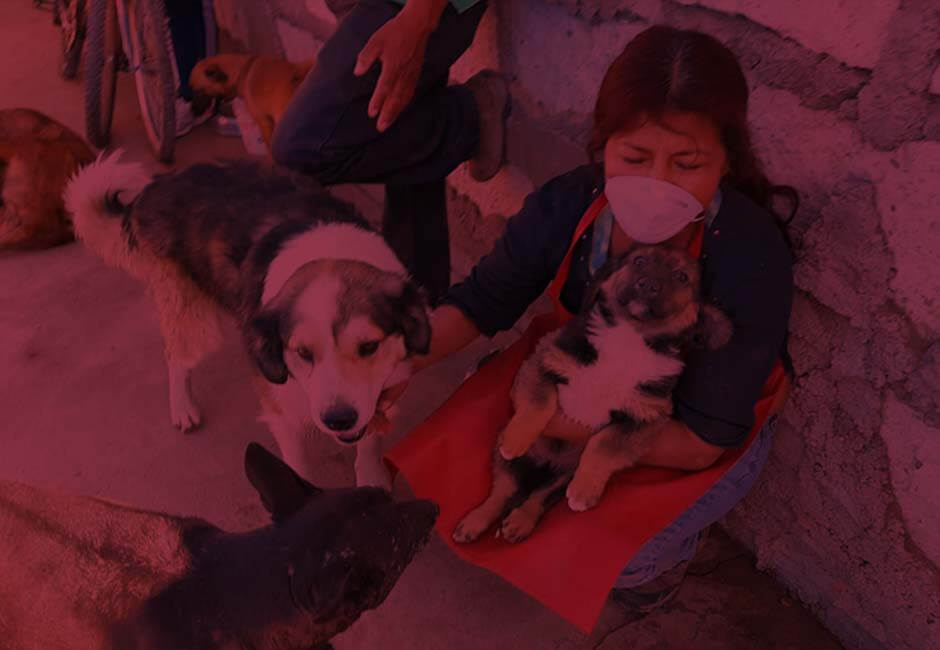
{"x": 460, "y": 5}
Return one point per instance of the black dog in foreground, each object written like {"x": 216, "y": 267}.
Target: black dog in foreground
{"x": 86, "y": 574}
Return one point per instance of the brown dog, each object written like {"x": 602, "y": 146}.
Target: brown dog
{"x": 37, "y": 157}
{"x": 265, "y": 84}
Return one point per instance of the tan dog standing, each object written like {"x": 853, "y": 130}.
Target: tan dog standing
{"x": 37, "y": 157}
{"x": 265, "y": 84}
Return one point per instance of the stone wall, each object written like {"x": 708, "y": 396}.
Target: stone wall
{"x": 846, "y": 108}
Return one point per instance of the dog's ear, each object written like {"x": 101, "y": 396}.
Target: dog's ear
{"x": 283, "y": 492}
{"x": 603, "y": 274}
{"x": 714, "y": 328}
{"x": 216, "y": 73}
{"x": 404, "y": 308}
{"x": 415, "y": 322}
{"x": 263, "y": 339}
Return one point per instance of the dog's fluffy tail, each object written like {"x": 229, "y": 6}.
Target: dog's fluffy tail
{"x": 95, "y": 198}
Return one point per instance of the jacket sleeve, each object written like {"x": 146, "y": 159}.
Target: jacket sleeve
{"x": 718, "y": 389}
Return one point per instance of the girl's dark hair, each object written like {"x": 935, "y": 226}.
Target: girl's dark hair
{"x": 666, "y": 69}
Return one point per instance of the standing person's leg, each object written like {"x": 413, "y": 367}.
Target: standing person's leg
{"x": 188, "y": 32}
{"x": 327, "y": 132}
{"x": 415, "y": 226}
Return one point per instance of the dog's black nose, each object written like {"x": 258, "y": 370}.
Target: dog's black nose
{"x": 341, "y": 418}
{"x": 648, "y": 286}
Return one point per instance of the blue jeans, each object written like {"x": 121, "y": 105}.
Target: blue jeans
{"x": 326, "y": 132}
{"x": 679, "y": 541}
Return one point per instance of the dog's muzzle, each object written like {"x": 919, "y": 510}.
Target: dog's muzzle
{"x": 351, "y": 438}
{"x": 341, "y": 421}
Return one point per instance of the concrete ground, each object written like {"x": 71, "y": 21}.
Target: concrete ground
{"x": 84, "y": 402}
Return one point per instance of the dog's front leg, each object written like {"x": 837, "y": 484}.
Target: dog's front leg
{"x": 183, "y": 410}
{"x": 611, "y": 449}
{"x": 287, "y": 414}
{"x": 370, "y": 466}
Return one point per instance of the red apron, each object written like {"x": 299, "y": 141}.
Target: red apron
{"x": 572, "y": 560}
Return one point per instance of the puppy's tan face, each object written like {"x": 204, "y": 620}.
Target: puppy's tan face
{"x": 344, "y": 335}
{"x": 657, "y": 287}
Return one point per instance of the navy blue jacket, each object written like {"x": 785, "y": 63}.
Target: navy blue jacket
{"x": 747, "y": 273}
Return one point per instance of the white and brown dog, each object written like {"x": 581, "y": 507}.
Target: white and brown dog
{"x": 327, "y": 310}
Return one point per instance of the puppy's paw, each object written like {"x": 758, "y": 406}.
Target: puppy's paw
{"x": 518, "y": 525}
{"x": 583, "y": 494}
{"x": 184, "y": 413}
{"x": 512, "y": 446}
{"x": 471, "y": 528}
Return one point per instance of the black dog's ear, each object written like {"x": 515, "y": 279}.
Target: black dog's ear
{"x": 714, "y": 327}
{"x": 216, "y": 73}
{"x": 263, "y": 339}
{"x": 283, "y": 492}
{"x": 405, "y": 310}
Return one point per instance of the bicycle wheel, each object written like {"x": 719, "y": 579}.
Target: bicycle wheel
{"x": 149, "y": 55}
{"x": 101, "y": 68}
{"x": 71, "y": 14}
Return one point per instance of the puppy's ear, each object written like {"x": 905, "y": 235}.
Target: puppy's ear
{"x": 714, "y": 327}
{"x": 404, "y": 308}
{"x": 216, "y": 73}
{"x": 263, "y": 338}
{"x": 283, "y": 492}
{"x": 603, "y": 274}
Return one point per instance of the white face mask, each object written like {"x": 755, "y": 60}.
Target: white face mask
{"x": 651, "y": 211}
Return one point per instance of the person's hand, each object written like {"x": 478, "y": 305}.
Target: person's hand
{"x": 399, "y": 45}
{"x": 387, "y": 408}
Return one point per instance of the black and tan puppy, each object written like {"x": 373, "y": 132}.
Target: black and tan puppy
{"x": 87, "y": 574}
{"x": 37, "y": 157}
{"x": 265, "y": 84}
{"x": 612, "y": 368}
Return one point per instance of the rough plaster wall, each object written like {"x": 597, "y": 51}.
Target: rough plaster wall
{"x": 846, "y": 108}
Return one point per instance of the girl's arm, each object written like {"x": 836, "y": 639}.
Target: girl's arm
{"x": 675, "y": 447}
{"x": 451, "y": 331}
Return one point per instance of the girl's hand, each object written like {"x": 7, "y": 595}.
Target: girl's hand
{"x": 387, "y": 408}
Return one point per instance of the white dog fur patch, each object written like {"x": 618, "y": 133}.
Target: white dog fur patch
{"x": 336, "y": 241}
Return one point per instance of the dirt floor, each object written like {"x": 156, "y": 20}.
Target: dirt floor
{"x": 84, "y": 401}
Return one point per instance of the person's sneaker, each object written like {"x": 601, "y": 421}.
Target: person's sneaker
{"x": 648, "y": 597}
{"x": 187, "y": 119}
{"x": 491, "y": 93}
